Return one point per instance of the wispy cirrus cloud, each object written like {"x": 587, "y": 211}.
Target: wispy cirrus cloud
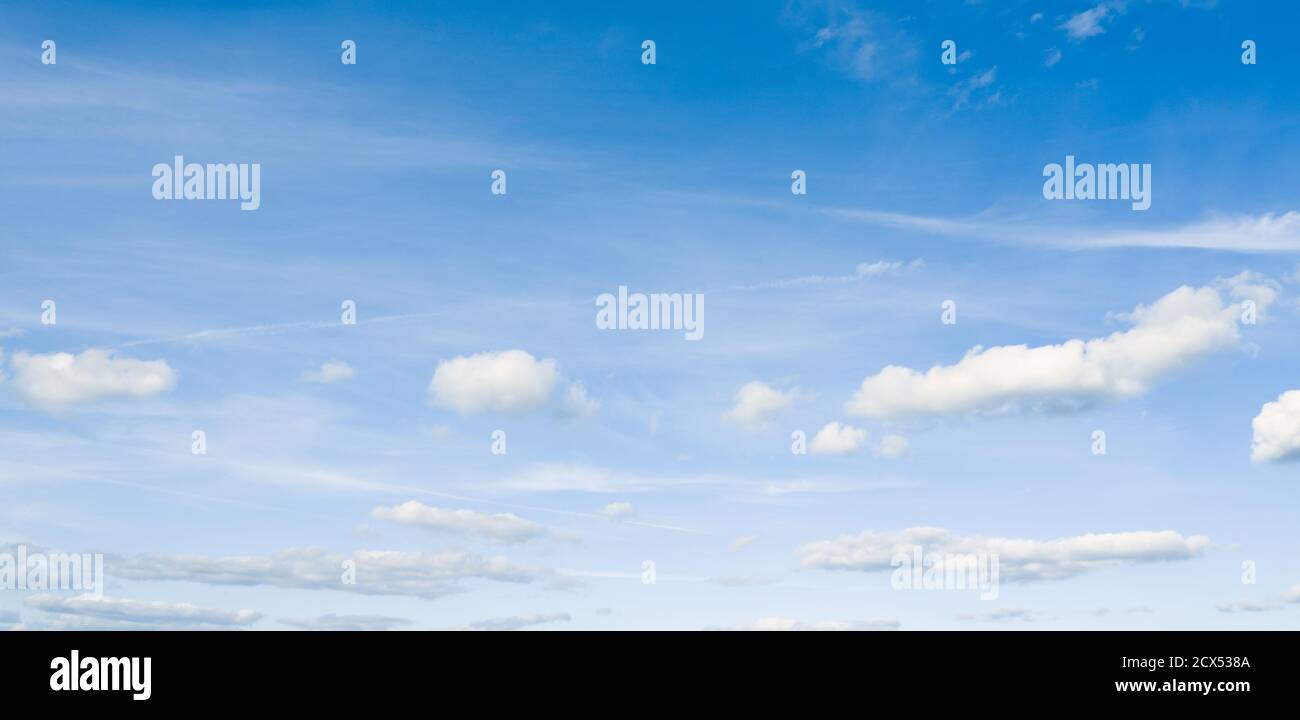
{"x": 1267, "y": 232}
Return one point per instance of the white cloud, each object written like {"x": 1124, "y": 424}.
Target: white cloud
{"x": 757, "y": 403}
{"x": 1087, "y": 23}
{"x": 962, "y": 91}
{"x": 575, "y": 405}
{"x": 874, "y": 269}
{"x": 998, "y": 615}
{"x": 892, "y": 447}
{"x": 741, "y": 542}
{"x": 1166, "y": 335}
{"x": 378, "y": 572}
{"x": 511, "y": 381}
{"x": 332, "y": 371}
{"x": 864, "y": 44}
{"x": 1292, "y": 595}
{"x": 863, "y": 271}
{"x": 138, "y": 611}
{"x": 501, "y": 527}
{"x": 1248, "y": 606}
{"x": 60, "y": 379}
{"x": 1018, "y": 558}
{"x": 789, "y": 624}
{"x": 517, "y": 622}
{"x": 346, "y": 622}
{"x": 1277, "y": 429}
{"x": 1269, "y": 232}
{"x": 1053, "y": 57}
{"x": 837, "y": 439}
{"x": 617, "y": 510}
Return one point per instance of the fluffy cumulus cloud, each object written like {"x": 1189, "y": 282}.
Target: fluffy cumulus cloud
{"x": 1186, "y": 323}
{"x": 510, "y": 381}
{"x": 1277, "y": 429}
{"x": 757, "y": 403}
{"x": 1018, "y": 559}
{"x": 61, "y": 379}
{"x": 138, "y": 611}
{"x": 375, "y": 572}
{"x": 837, "y": 439}
{"x": 332, "y": 371}
{"x": 500, "y": 527}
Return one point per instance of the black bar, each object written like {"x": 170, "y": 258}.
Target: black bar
{"x": 440, "y": 671}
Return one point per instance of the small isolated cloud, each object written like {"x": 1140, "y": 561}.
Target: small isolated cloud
{"x": 891, "y": 447}
{"x": 346, "y": 622}
{"x": 1053, "y": 57}
{"x": 736, "y": 581}
{"x": 1177, "y": 328}
{"x": 1000, "y": 615}
{"x": 1291, "y": 596}
{"x": 876, "y": 269}
{"x": 139, "y": 611}
{"x": 757, "y": 403}
{"x": 61, "y": 379}
{"x": 332, "y": 371}
{"x": 1136, "y": 38}
{"x": 863, "y": 271}
{"x": 1277, "y": 429}
{"x": 502, "y": 528}
{"x": 1087, "y": 23}
{"x": 962, "y": 91}
{"x": 617, "y": 510}
{"x": 518, "y": 622}
{"x": 741, "y": 542}
{"x": 575, "y": 405}
{"x": 510, "y": 381}
{"x": 1248, "y": 606}
{"x": 790, "y": 624}
{"x": 837, "y": 439}
{"x": 1018, "y": 558}
{"x": 863, "y": 44}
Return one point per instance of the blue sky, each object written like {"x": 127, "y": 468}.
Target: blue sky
{"x": 924, "y": 184}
